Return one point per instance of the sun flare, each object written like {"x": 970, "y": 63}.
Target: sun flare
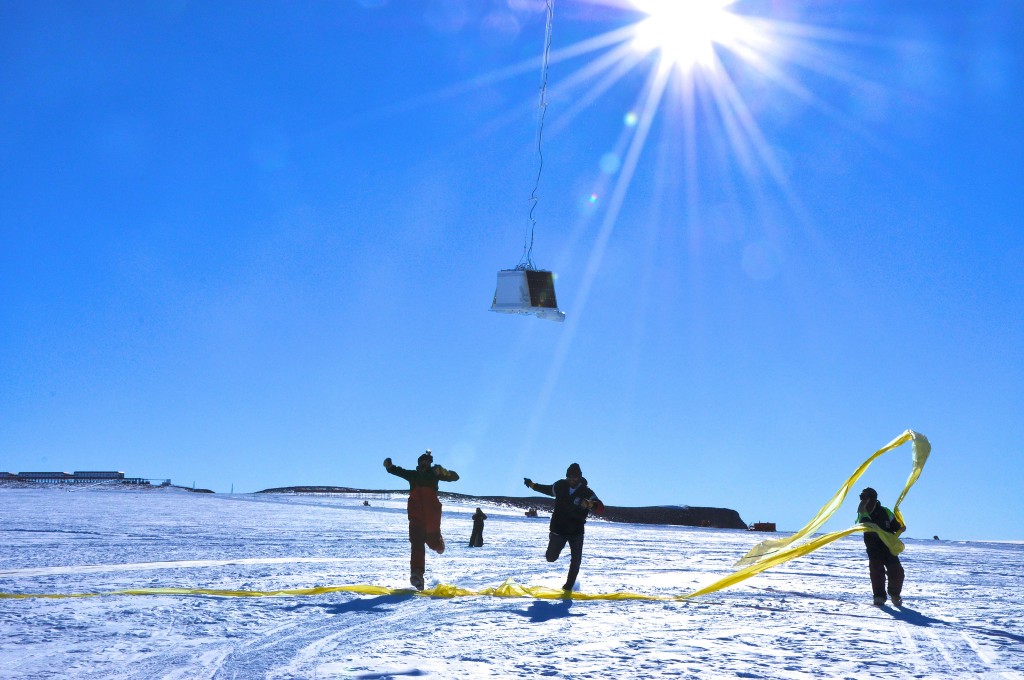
{"x": 685, "y": 31}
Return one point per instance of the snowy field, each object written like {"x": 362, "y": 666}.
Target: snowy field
{"x": 963, "y": 613}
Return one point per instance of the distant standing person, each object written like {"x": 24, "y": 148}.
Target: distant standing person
{"x": 476, "y": 539}
{"x": 573, "y": 502}
{"x": 424, "y": 510}
{"x": 881, "y": 562}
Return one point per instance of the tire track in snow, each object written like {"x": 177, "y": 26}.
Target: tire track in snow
{"x": 297, "y": 653}
{"x": 209, "y": 662}
{"x": 985, "y": 656}
{"x": 943, "y": 650}
{"x": 959, "y": 661}
{"x": 913, "y": 652}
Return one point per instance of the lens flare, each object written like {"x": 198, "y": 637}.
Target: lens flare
{"x": 685, "y": 32}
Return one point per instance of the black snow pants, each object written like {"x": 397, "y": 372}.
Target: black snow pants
{"x": 882, "y": 564}
{"x": 555, "y": 544}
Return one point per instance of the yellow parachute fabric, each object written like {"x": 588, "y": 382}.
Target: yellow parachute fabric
{"x": 773, "y": 552}
{"x": 761, "y": 557}
{"x": 921, "y": 449}
{"x": 443, "y": 590}
{"x": 770, "y": 561}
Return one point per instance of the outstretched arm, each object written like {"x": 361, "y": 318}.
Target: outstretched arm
{"x": 398, "y": 471}
{"x": 540, "y": 488}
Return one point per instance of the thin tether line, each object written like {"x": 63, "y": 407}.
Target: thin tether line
{"x": 526, "y": 262}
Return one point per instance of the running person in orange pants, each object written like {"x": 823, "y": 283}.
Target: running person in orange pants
{"x": 424, "y": 510}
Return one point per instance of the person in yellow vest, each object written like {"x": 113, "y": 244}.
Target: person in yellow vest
{"x": 424, "y": 510}
{"x": 882, "y": 564}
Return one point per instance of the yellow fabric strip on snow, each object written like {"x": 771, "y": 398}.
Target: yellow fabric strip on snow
{"x": 507, "y": 589}
{"x": 770, "y": 561}
{"x": 761, "y": 557}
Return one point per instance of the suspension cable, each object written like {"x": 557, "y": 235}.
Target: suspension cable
{"x": 526, "y": 262}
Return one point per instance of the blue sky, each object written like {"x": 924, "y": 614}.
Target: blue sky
{"x": 253, "y": 245}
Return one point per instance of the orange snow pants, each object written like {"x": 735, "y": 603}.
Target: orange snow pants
{"x": 424, "y": 511}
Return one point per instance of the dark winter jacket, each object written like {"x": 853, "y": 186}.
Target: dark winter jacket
{"x": 478, "y": 519}
{"x": 569, "y": 517}
{"x": 876, "y": 513}
{"x": 426, "y": 476}
{"x": 424, "y": 508}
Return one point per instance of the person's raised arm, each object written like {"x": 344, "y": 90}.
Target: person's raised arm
{"x": 398, "y": 471}
{"x": 546, "y": 489}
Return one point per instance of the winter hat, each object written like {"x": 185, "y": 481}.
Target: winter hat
{"x": 425, "y": 458}
{"x": 574, "y": 471}
{"x": 868, "y": 492}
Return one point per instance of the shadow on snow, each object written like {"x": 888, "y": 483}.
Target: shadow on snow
{"x": 916, "y": 618}
{"x": 540, "y": 611}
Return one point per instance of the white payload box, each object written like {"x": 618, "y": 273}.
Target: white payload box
{"x": 527, "y": 291}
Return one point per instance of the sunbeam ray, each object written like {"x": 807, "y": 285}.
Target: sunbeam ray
{"x": 620, "y": 62}
{"x": 654, "y": 92}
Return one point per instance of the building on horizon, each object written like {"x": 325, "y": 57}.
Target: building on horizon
{"x": 78, "y": 477}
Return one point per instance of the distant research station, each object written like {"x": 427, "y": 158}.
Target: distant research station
{"x": 78, "y": 477}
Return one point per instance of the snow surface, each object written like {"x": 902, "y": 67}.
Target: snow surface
{"x": 813, "y": 616}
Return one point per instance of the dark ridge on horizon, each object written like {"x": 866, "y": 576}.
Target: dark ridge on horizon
{"x": 674, "y": 515}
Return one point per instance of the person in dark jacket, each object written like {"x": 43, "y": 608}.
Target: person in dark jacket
{"x": 424, "y": 510}
{"x": 476, "y": 539}
{"x": 573, "y": 502}
{"x": 882, "y": 563}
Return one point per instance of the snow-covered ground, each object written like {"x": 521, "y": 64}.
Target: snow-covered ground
{"x": 963, "y": 613}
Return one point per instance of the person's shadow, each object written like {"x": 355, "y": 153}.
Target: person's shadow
{"x": 540, "y": 611}
{"x": 916, "y": 618}
{"x": 357, "y": 604}
{"x": 912, "y": 617}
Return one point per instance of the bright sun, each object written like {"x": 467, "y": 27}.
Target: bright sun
{"x": 685, "y": 31}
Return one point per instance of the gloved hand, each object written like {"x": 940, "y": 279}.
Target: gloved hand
{"x": 528, "y": 482}
{"x": 438, "y": 470}
{"x": 584, "y": 503}
{"x": 387, "y": 462}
